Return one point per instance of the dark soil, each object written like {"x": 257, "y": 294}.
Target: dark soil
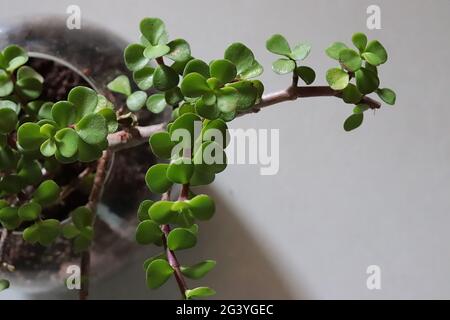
{"x": 58, "y": 79}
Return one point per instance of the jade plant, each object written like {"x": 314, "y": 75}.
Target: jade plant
{"x": 38, "y": 138}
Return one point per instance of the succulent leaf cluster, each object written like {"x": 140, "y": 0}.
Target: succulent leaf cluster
{"x": 361, "y": 64}
{"x": 37, "y": 138}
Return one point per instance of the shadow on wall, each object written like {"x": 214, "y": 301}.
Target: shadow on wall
{"x": 244, "y": 269}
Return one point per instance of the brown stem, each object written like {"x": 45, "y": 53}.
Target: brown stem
{"x": 184, "y": 194}
{"x": 173, "y": 261}
{"x": 293, "y": 93}
{"x": 133, "y": 137}
{"x": 94, "y": 198}
{"x": 127, "y": 139}
{"x": 171, "y": 257}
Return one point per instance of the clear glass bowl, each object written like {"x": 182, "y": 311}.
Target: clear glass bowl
{"x": 97, "y": 55}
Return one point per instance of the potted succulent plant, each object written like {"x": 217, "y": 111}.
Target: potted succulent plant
{"x": 48, "y": 147}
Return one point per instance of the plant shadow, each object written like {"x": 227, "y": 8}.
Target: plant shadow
{"x": 244, "y": 269}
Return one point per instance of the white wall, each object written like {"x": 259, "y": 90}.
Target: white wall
{"x": 341, "y": 201}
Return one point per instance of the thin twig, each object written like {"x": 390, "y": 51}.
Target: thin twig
{"x": 94, "y": 198}
{"x": 173, "y": 261}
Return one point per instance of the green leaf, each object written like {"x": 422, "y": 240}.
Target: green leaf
{"x": 165, "y": 78}
{"x": 180, "y": 239}
{"x": 8, "y": 120}
{"x": 350, "y": 59}
{"x": 6, "y": 84}
{"x": 173, "y": 96}
{"x": 366, "y": 81}
{"x": 186, "y": 108}
{"x": 306, "y": 74}
{"x": 121, "y": 84}
{"x": 156, "y": 103}
{"x": 198, "y": 270}
{"x": 375, "y": 53}
{"x": 9, "y": 218}
{"x": 148, "y": 232}
{"x": 47, "y": 129}
{"x": 161, "y": 144}
{"x": 14, "y": 56}
{"x": 30, "y": 171}
{"x": 200, "y": 292}
{"x": 189, "y": 122}
{"x": 335, "y": 49}
{"x": 47, "y": 193}
{"x": 202, "y": 176}
{"x": 87, "y": 152}
{"x": 179, "y": 50}
{"x": 207, "y": 111}
{"x": 300, "y": 51}
{"x": 156, "y": 178}
{"x": 337, "y": 79}
{"x": 158, "y": 272}
{"x": 241, "y": 56}
{"x": 63, "y": 113}
{"x": 351, "y": 94}
{"x": 48, "y": 231}
{"x": 283, "y": 66}
{"x": 82, "y": 217}
{"x": 180, "y": 170}
{"x": 143, "y": 78}
{"x": 223, "y": 70}
{"x": 254, "y": 71}
{"x": 194, "y": 85}
{"x": 153, "y": 258}
{"x": 45, "y": 111}
{"x": 198, "y": 66}
{"x": 202, "y": 207}
{"x": 227, "y": 99}
{"x": 67, "y": 142}
{"x": 81, "y": 243}
{"x": 387, "y": 95}
{"x": 29, "y": 88}
{"x": 29, "y": 211}
{"x": 29, "y": 136}
{"x": 31, "y": 234}
{"x": 359, "y": 39}
{"x": 360, "y": 108}
{"x": 278, "y": 44}
{"x": 4, "y": 284}
{"x": 353, "y": 122}
{"x": 136, "y": 100}
{"x": 154, "y": 30}
{"x": 247, "y": 94}
{"x": 48, "y": 148}
{"x": 28, "y": 72}
{"x": 85, "y": 100}
{"x": 152, "y": 52}
{"x": 144, "y": 207}
{"x": 8, "y": 104}
{"x": 134, "y": 57}
{"x": 111, "y": 119}
{"x": 161, "y": 212}
{"x": 69, "y": 231}
{"x": 92, "y": 129}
